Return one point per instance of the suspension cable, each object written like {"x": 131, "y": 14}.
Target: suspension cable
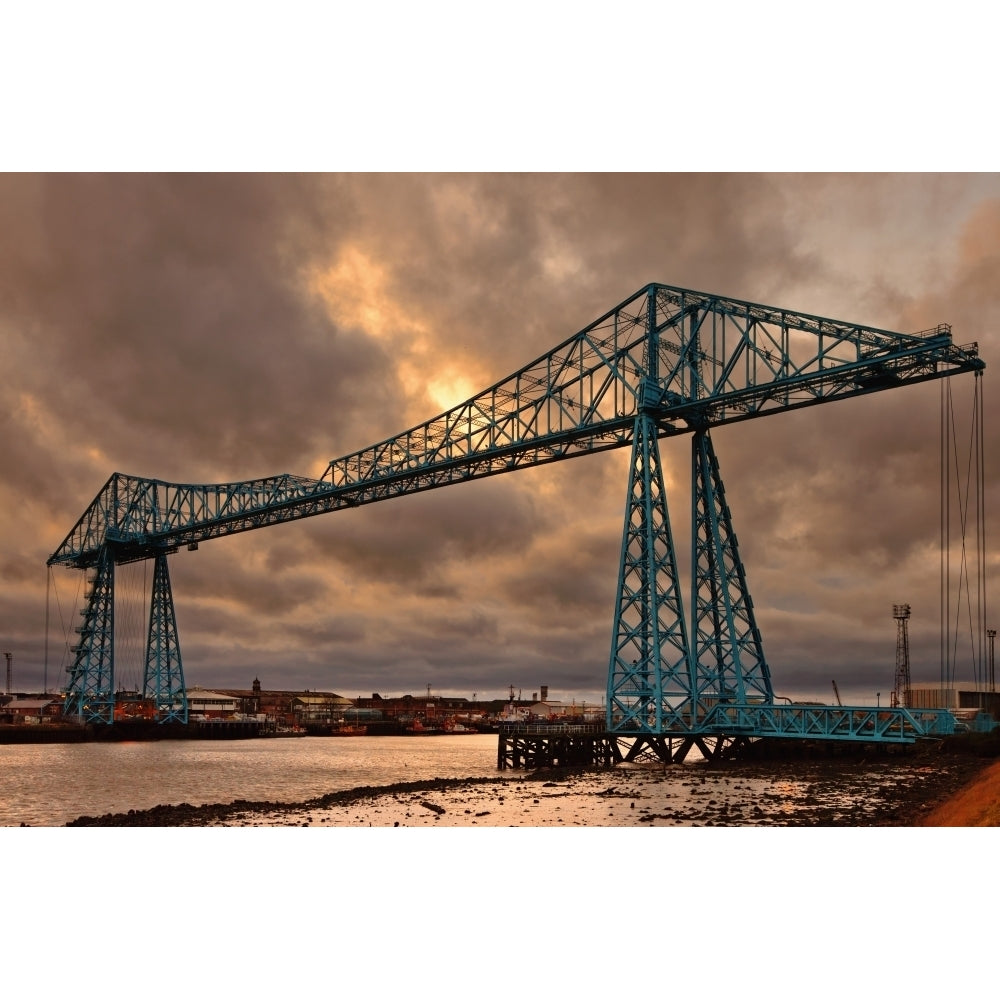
{"x": 981, "y": 505}
{"x": 963, "y": 564}
{"x": 45, "y": 638}
{"x": 944, "y": 595}
{"x": 970, "y": 499}
{"x": 64, "y": 628}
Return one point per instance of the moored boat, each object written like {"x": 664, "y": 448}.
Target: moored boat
{"x": 417, "y": 728}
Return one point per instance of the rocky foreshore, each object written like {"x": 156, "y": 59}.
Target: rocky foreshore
{"x": 864, "y": 790}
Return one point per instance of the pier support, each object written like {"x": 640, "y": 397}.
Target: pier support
{"x": 525, "y": 750}
{"x": 533, "y": 750}
{"x": 535, "y": 747}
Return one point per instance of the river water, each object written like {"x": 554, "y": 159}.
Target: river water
{"x": 404, "y": 894}
{"x": 48, "y": 785}
{"x": 51, "y": 784}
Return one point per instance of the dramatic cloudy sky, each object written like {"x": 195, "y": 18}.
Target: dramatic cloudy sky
{"x": 211, "y": 328}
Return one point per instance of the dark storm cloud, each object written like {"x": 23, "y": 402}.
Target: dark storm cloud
{"x": 837, "y": 507}
{"x": 167, "y": 312}
{"x": 214, "y": 328}
{"x": 411, "y": 540}
{"x": 513, "y": 264}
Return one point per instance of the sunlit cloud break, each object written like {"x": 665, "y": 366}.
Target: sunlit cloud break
{"x": 216, "y": 328}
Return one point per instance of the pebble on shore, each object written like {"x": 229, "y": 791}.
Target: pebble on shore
{"x": 806, "y": 792}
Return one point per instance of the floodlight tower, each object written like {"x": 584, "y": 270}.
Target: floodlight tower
{"x": 901, "y": 692}
{"x": 9, "y": 656}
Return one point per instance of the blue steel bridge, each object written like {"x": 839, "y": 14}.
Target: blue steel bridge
{"x": 665, "y": 362}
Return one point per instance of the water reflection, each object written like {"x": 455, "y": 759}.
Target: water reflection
{"x": 50, "y": 784}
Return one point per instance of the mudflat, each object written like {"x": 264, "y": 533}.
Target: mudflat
{"x": 926, "y": 787}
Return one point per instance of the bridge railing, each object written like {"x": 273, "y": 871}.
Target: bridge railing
{"x": 551, "y": 728}
{"x": 822, "y": 722}
{"x": 865, "y": 724}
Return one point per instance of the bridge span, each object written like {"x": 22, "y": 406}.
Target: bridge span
{"x": 665, "y": 362}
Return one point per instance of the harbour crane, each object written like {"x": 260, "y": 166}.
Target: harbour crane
{"x": 665, "y": 362}
{"x": 837, "y": 695}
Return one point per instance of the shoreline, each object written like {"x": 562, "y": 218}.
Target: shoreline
{"x": 906, "y": 791}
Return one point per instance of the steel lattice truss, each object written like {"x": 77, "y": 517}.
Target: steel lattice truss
{"x": 163, "y": 678}
{"x": 649, "y": 679}
{"x": 664, "y": 362}
{"x": 728, "y": 653}
{"x": 90, "y": 694}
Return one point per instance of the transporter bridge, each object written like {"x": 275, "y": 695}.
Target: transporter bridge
{"x": 665, "y": 362}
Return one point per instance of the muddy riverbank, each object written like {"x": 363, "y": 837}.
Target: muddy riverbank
{"x": 860, "y": 790}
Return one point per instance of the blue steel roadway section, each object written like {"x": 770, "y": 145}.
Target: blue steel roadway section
{"x": 864, "y": 724}
{"x": 664, "y": 362}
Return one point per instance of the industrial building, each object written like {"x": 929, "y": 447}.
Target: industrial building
{"x": 953, "y": 698}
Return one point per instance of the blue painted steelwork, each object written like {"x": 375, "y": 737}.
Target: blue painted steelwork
{"x": 727, "y": 658}
{"x": 862, "y": 724}
{"x": 649, "y": 683}
{"x": 582, "y": 397}
{"x": 163, "y": 679}
{"x": 983, "y": 722}
{"x": 666, "y": 361}
{"x": 90, "y": 691}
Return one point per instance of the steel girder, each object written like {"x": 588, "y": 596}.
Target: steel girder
{"x": 144, "y": 517}
{"x": 694, "y": 360}
{"x": 664, "y": 362}
{"x": 728, "y": 654}
{"x": 659, "y": 679}
{"x": 729, "y": 726}
{"x": 861, "y": 724}
{"x": 649, "y": 683}
{"x": 90, "y": 693}
{"x": 163, "y": 677}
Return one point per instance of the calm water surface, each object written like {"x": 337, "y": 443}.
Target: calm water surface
{"x": 51, "y": 784}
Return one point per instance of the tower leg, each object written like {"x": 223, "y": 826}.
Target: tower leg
{"x": 163, "y": 678}
{"x": 728, "y": 652}
{"x": 90, "y": 693}
{"x": 648, "y": 676}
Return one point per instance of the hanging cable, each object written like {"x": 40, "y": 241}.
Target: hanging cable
{"x": 980, "y": 530}
{"x": 63, "y": 627}
{"x": 130, "y": 615}
{"x": 969, "y": 489}
{"x": 977, "y": 634}
{"x": 944, "y": 595}
{"x": 45, "y": 638}
{"x": 981, "y": 504}
{"x": 963, "y": 564}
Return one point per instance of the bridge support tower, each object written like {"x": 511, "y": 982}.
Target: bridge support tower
{"x": 664, "y": 677}
{"x": 90, "y": 692}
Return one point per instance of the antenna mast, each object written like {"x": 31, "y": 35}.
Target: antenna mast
{"x": 901, "y": 692}
{"x": 9, "y": 658}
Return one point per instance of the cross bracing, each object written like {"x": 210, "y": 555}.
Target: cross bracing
{"x": 666, "y": 361}
{"x": 865, "y": 725}
{"x": 723, "y": 361}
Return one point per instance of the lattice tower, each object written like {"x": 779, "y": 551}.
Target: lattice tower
{"x": 901, "y": 691}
